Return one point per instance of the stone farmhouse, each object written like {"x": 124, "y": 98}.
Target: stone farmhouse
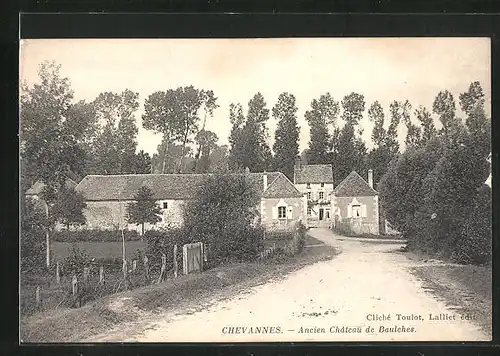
{"x": 107, "y": 196}
{"x": 355, "y": 205}
{"x": 315, "y": 181}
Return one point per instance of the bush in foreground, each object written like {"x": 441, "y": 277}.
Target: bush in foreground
{"x": 223, "y": 215}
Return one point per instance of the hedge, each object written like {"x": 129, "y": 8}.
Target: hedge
{"x": 95, "y": 235}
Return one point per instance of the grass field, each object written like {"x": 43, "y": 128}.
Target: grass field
{"x": 97, "y": 250}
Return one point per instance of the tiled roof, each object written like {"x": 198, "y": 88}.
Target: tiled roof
{"x": 314, "y": 173}
{"x": 281, "y": 187}
{"x": 37, "y": 187}
{"x": 354, "y": 186}
{"x": 171, "y": 186}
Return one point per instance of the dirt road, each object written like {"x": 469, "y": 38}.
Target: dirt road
{"x": 364, "y": 294}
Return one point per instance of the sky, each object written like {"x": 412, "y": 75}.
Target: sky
{"x": 383, "y": 69}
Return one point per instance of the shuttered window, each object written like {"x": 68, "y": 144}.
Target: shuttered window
{"x": 281, "y": 212}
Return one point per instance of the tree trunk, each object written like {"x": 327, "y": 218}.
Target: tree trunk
{"x": 142, "y": 235}
{"x": 198, "y": 154}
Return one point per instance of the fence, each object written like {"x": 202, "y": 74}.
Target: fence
{"x": 94, "y": 281}
{"x": 192, "y": 257}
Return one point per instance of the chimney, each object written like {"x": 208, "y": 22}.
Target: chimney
{"x": 297, "y": 163}
{"x": 370, "y": 178}
{"x": 264, "y": 178}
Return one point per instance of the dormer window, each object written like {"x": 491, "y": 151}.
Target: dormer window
{"x": 308, "y": 185}
{"x": 322, "y": 185}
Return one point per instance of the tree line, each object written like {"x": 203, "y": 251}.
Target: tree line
{"x": 59, "y": 135}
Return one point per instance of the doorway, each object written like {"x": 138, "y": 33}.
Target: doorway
{"x": 321, "y": 214}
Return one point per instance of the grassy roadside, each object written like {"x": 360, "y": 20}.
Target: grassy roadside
{"x": 466, "y": 289}
{"x": 75, "y": 325}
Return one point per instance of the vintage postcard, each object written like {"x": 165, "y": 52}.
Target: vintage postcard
{"x": 255, "y": 190}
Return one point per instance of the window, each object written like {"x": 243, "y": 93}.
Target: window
{"x": 309, "y": 210}
{"x": 165, "y": 205}
{"x": 321, "y": 195}
{"x": 322, "y": 185}
{"x": 308, "y": 195}
{"x": 356, "y": 211}
{"x": 308, "y": 185}
{"x": 281, "y": 212}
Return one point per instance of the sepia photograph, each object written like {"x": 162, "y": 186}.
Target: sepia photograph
{"x": 255, "y": 190}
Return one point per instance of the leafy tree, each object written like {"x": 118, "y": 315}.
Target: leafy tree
{"x": 116, "y": 143}
{"x": 237, "y": 150}
{"x": 68, "y": 208}
{"x": 160, "y": 116}
{"x": 32, "y": 236}
{"x": 189, "y": 100}
{"x": 475, "y": 245}
{"x": 392, "y": 142}
{"x": 401, "y": 187}
{"x": 206, "y": 142}
{"x": 376, "y": 115}
{"x": 223, "y": 214}
{"x": 209, "y": 105}
{"x": 353, "y": 106}
{"x": 219, "y": 159}
{"x": 143, "y": 209}
{"x": 47, "y": 149}
{"x": 413, "y": 132}
{"x": 444, "y": 107}
{"x": 142, "y": 163}
{"x": 286, "y": 143}
{"x": 349, "y": 154}
{"x": 169, "y": 164}
{"x": 174, "y": 114}
{"x": 379, "y": 158}
{"x": 248, "y": 138}
{"x": 323, "y": 114}
{"x": 427, "y": 124}
{"x": 477, "y": 124}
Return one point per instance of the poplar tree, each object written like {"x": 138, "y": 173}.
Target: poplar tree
{"x": 286, "y": 143}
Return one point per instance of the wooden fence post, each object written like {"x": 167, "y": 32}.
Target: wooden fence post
{"x": 175, "y": 261}
{"x": 38, "y": 297}
{"x": 74, "y": 285}
{"x": 86, "y": 272}
{"x": 58, "y": 275}
{"x": 146, "y": 267}
{"x": 163, "y": 267}
{"x": 101, "y": 274}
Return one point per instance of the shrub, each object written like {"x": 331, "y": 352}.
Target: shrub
{"x": 475, "y": 245}
{"x": 32, "y": 235}
{"x": 75, "y": 262}
{"x": 223, "y": 215}
{"x": 162, "y": 242}
{"x": 95, "y": 236}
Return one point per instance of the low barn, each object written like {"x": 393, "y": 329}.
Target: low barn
{"x": 107, "y": 197}
{"x": 356, "y": 205}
